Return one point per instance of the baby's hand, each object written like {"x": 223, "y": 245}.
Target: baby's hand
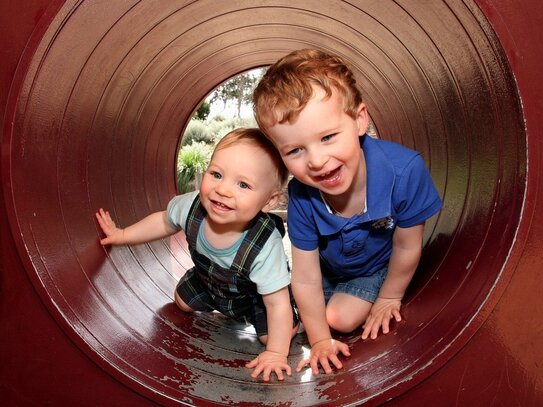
{"x": 113, "y": 234}
{"x": 324, "y": 352}
{"x": 382, "y": 311}
{"x": 268, "y": 362}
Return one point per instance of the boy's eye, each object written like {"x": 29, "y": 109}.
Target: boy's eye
{"x": 328, "y": 137}
{"x": 244, "y": 185}
{"x": 216, "y": 175}
{"x": 293, "y": 151}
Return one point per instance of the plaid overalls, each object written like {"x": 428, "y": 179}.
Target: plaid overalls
{"x": 208, "y": 286}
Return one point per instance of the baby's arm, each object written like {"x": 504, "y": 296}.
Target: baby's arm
{"x": 280, "y": 332}
{"x": 406, "y": 252}
{"x": 307, "y": 290}
{"x": 152, "y": 227}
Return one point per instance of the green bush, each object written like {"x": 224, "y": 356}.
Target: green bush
{"x": 203, "y": 111}
{"x": 197, "y": 132}
{"x": 197, "y": 146}
{"x": 192, "y": 161}
{"x": 219, "y": 128}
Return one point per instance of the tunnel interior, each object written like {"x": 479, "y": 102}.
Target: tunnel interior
{"x": 102, "y": 101}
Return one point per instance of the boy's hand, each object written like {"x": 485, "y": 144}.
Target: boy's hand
{"x": 382, "y": 311}
{"x": 324, "y": 352}
{"x": 113, "y": 234}
{"x": 268, "y": 362}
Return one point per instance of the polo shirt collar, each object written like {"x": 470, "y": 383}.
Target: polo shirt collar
{"x": 380, "y": 182}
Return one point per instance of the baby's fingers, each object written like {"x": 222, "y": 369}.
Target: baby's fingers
{"x": 303, "y": 363}
{"x": 259, "y": 369}
{"x": 105, "y": 241}
{"x": 279, "y": 371}
{"x": 252, "y": 363}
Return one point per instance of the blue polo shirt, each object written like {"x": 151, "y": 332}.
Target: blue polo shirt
{"x": 400, "y": 192}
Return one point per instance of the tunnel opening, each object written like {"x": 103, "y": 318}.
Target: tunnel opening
{"x": 96, "y": 121}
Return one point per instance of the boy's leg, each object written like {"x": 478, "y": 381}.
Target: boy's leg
{"x": 346, "y": 312}
{"x": 349, "y": 301}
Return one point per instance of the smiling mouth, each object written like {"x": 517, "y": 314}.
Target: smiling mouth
{"x": 329, "y": 177}
{"x": 220, "y": 206}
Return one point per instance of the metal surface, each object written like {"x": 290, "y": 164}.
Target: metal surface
{"x": 95, "y": 96}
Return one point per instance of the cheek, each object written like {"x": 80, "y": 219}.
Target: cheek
{"x": 294, "y": 166}
{"x": 205, "y": 186}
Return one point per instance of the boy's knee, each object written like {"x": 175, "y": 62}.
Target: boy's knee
{"x": 341, "y": 321}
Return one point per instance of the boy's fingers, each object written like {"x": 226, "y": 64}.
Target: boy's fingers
{"x": 366, "y": 332}
{"x": 337, "y": 363}
{"x": 345, "y": 350}
{"x": 325, "y": 365}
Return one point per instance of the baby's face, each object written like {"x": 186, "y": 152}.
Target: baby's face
{"x": 321, "y": 147}
{"x": 241, "y": 180}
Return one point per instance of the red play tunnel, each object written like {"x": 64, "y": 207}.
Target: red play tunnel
{"x": 95, "y": 96}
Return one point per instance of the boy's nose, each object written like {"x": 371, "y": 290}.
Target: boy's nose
{"x": 316, "y": 161}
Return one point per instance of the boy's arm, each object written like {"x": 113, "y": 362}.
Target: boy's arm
{"x": 307, "y": 290}
{"x": 152, "y": 227}
{"x": 406, "y": 252}
{"x": 280, "y": 330}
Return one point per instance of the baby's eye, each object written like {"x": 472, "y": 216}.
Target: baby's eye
{"x": 215, "y": 174}
{"x": 244, "y": 185}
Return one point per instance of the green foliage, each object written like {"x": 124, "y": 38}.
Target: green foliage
{"x": 192, "y": 160}
{"x": 202, "y": 133}
{"x": 219, "y": 128}
{"x": 197, "y": 132}
{"x": 203, "y": 111}
{"x": 239, "y": 88}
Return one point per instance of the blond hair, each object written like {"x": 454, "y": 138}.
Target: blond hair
{"x": 257, "y": 138}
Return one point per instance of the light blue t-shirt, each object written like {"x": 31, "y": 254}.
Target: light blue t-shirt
{"x": 269, "y": 271}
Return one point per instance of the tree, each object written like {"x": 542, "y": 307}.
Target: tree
{"x": 239, "y": 88}
{"x": 203, "y": 111}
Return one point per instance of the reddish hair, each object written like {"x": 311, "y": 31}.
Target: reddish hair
{"x": 287, "y": 86}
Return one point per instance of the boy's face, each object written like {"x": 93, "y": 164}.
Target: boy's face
{"x": 321, "y": 148}
{"x": 239, "y": 182}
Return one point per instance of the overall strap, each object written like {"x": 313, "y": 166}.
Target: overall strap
{"x": 194, "y": 220}
{"x": 258, "y": 234}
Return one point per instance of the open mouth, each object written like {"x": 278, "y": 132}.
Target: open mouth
{"x": 220, "y": 206}
{"x": 329, "y": 179}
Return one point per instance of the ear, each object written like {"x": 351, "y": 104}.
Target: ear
{"x": 362, "y": 119}
{"x": 273, "y": 201}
